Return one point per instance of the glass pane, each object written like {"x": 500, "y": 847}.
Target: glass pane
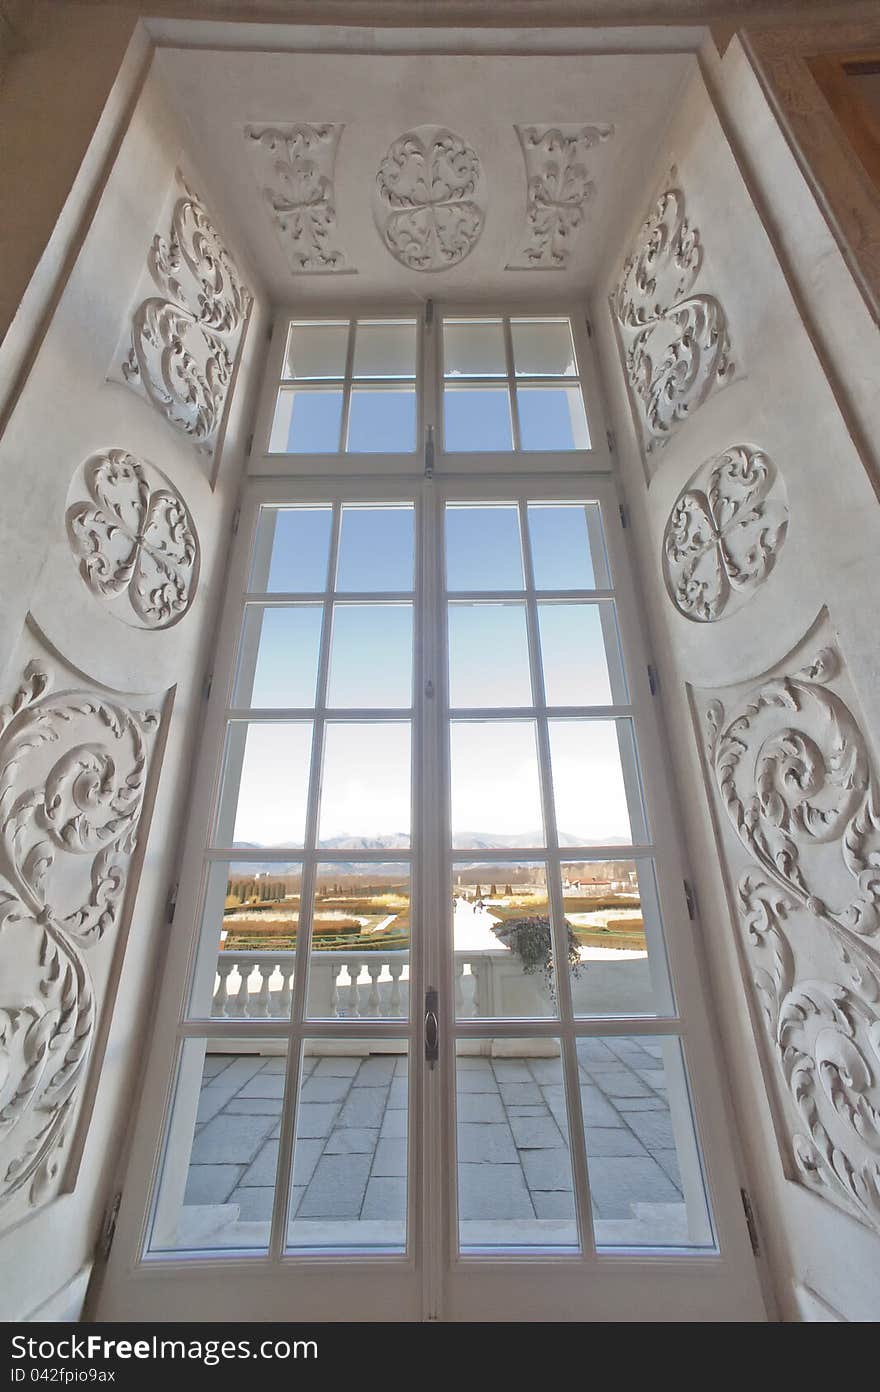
{"x": 376, "y": 549}
{"x": 306, "y": 421}
{"x": 567, "y": 548}
{"x": 384, "y": 348}
{"x": 573, "y": 652}
{"x": 278, "y": 656}
{"x": 514, "y": 1168}
{"x": 365, "y": 789}
{"x": 473, "y": 348}
{"x": 496, "y": 796}
{"x": 542, "y": 348}
{"x": 488, "y": 655}
{"x": 265, "y": 784}
{"x": 646, "y": 1181}
{"x": 371, "y": 656}
{"x": 292, "y": 550}
{"x": 250, "y": 920}
{"x": 613, "y": 913}
{"x": 316, "y": 350}
{"x": 501, "y": 937}
{"x": 350, "y": 1156}
{"x": 588, "y": 783}
{"x": 217, "y": 1181}
{"x": 359, "y": 962}
{"x": 382, "y": 422}
{"x": 483, "y": 550}
{"x": 552, "y": 418}
{"x": 477, "y": 419}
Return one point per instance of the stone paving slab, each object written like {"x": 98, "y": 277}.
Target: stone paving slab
{"x": 350, "y": 1155}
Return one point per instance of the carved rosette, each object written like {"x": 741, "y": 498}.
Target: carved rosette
{"x": 184, "y": 342}
{"x": 430, "y": 199}
{"x": 134, "y": 539}
{"x": 558, "y": 188}
{"x": 794, "y": 775}
{"x": 73, "y": 770}
{"x": 724, "y": 534}
{"x": 294, "y": 166}
{"x": 676, "y": 344}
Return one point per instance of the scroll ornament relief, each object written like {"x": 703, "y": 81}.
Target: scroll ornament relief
{"x": 135, "y": 540}
{"x": 295, "y": 165}
{"x": 184, "y": 341}
{"x": 558, "y": 188}
{"x": 724, "y": 534}
{"x": 73, "y": 768}
{"x": 676, "y": 344}
{"x": 430, "y": 199}
{"x": 795, "y": 778}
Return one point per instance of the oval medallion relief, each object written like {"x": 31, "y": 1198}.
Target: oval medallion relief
{"x": 430, "y": 199}
{"x": 134, "y": 539}
{"x": 724, "y": 534}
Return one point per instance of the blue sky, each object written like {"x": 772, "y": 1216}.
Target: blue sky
{"x": 366, "y": 777}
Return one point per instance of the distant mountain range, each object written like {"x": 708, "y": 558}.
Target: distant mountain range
{"x": 481, "y": 841}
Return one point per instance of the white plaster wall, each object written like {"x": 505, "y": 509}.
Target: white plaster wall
{"x": 67, "y": 411}
{"x": 780, "y": 399}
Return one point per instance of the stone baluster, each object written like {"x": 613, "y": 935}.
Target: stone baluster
{"x": 221, "y": 1001}
{"x": 374, "y": 968}
{"x": 481, "y": 968}
{"x": 394, "y": 1004}
{"x": 285, "y": 995}
{"x": 354, "y": 991}
{"x": 335, "y": 998}
{"x": 258, "y": 1003}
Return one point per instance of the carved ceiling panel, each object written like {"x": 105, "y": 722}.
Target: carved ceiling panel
{"x": 558, "y": 187}
{"x": 75, "y": 765}
{"x": 294, "y": 166}
{"x": 675, "y": 339}
{"x": 430, "y": 199}
{"x": 134, "y": 539}
{"x": 182, "y": 345}
{"x": 797, "y": 795}
{"x": 724, "y": 534}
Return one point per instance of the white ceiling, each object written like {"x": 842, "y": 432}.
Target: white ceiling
{"x": 379, "y": 97}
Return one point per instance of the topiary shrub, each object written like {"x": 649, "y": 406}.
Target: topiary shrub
{"x": 531, "y": 940}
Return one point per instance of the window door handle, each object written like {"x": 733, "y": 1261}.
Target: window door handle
{"x": 432, "y": 1027}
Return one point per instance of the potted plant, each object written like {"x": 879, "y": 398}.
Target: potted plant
{"x": 531, "y": 940}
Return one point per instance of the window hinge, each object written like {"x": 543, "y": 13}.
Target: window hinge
{"x": 750, "y": 1221}
{"x": 236, "y": 518}
{"x": 206, "y": 688}
{"x": 429, "y": 451}
{"x": 690, "y": 899}
{"x": 108, "y": 1227}
{"x": 624, "y": 516}
{"x": 429, "y": 313}
{"x": 609, "y": 436}
{"x": 653, "y": 680}
{"x": 171, "y": 902}
{"x": 250, "y": 445}
{"x": 589, "y": 328}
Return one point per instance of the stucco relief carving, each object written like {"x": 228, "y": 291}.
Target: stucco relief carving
{"x": 430, "y": 199}
{"x": 73, "y": 772}
{"x": 795, "y": 778}
{"x": 134, "y": 539}
{"x": 184, "y": 342}
{"x": 558, "y": 188}
{"x": 724, "y": 534}
{"x": 295, "y": 165}
{"x": 676, "y": 343}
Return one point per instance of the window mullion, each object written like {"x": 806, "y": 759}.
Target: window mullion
{"x": 303, "y": 937}
{"x": 511, "y": 384}
{"x": 346, "y": 387}
{"x": 558, "y": 931}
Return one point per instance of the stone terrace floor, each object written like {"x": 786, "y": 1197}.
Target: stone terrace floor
{"x": 350, "y": 1159}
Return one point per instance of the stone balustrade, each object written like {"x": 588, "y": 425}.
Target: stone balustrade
{"x": 375, "y": 985}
